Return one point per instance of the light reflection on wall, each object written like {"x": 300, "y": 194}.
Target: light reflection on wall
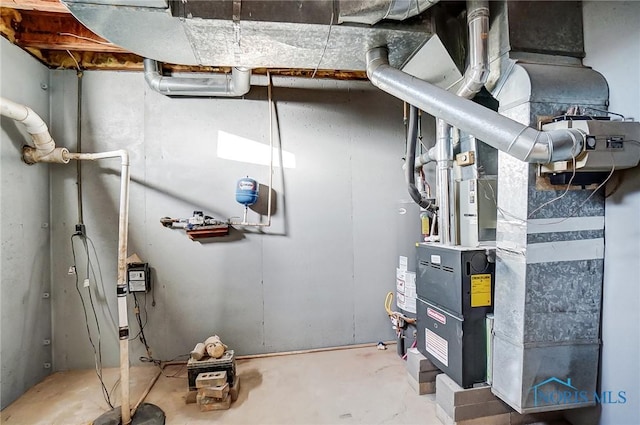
{"x": 238, "y": 148}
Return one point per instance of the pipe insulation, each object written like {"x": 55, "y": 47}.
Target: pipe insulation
{"x": 44, "y": 148}
{"x": 518, "y": 140}
{"x": 219, "y": 85}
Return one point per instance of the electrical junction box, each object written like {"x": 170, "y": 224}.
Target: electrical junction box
{"x": 139, "y": 277}
{"x": 455, "y": 286}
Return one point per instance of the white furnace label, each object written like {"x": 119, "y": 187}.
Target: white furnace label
{"x": 406, "y": 290}
{"x": 403, "y": 262}
{"x": 435, "y": 259}
{"x": 437, "y": 346}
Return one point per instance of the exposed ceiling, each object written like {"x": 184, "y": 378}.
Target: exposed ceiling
{"x": 49, "y": 32}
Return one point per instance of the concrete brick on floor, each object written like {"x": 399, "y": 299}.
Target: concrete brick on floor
{"x": 422, "y": 387}
{"x": 501, "y": 419}
{"x": 417, "y": 363}
{"x": 207, "y": 404}
{"x": 480, "y": 410}
{"x": 449, "y": 394}
{"x": 219, "y": 392}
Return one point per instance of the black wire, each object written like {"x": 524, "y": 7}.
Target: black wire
{"x": 96, "y": 352}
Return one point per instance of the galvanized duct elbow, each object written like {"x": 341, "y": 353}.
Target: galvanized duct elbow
{"x": 518, "y": 140}
{"x": 221, "y": 85}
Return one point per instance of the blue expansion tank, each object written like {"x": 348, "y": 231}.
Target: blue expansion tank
{"x": 247, "y": 191}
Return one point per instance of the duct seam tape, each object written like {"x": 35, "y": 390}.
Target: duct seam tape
{"x": 551, "y": 252}
{"x": 572, "y": 224}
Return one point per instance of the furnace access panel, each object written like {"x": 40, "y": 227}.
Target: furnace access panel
{"x": 455, "y": 288}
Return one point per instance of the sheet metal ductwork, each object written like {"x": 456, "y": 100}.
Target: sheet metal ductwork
{"x": 252, "y": 34}
{"x": 549, "y": 260}
{"x": 518, "y": 140}
{"x": 373, "y": 11}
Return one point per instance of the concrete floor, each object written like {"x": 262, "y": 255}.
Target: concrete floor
{"x": 355, "y": 386}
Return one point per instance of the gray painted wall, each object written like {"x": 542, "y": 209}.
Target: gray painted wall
{"x": 25, "y": 265}
{"x": 612, "y": 45}
{"x": 316, "y": 278}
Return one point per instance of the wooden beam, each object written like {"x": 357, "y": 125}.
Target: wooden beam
{"x": 54, "y": 6}
{"x": 54, "y": 31}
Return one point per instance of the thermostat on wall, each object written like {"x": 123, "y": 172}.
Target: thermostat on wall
{"x": 139, "y": 277}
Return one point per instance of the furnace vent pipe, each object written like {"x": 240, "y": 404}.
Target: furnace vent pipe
{"x": 474, "y": 79}
{"x": 220, "y": 85}
{"x": 478, "y": 69}
{"x": 518, "y": 140}
{"x": 44, "y": 148}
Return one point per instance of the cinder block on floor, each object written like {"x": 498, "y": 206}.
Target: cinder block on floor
{"x": 502, "y": 419}
{"x": 417, "y": 363}
{"x": 422, "y": 387}
{"x": 450, "y": 394}
{"x": 211, "y": 379}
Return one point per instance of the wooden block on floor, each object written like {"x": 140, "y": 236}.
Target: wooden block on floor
{"x": 211, "y": 379}
{"x": 191, "y": 397}
{"x": 219, "y": 392}
{"x": 207, "y": 404}
{"x": 422, "y": 387}
{"x": 235, "y": 389}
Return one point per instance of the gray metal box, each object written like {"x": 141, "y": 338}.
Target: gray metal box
{"x": 455, "y": 292}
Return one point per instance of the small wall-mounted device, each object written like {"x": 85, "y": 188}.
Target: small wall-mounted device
{"x": 139, "y": 277}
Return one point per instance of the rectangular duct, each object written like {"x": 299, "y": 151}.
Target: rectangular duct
{"x": 549, "y": 260}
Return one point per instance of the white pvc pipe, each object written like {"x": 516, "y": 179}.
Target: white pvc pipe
{"x": 44, "y": 149}
{"x": 123, "y": 225}
{"x": 268, "y": 223}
